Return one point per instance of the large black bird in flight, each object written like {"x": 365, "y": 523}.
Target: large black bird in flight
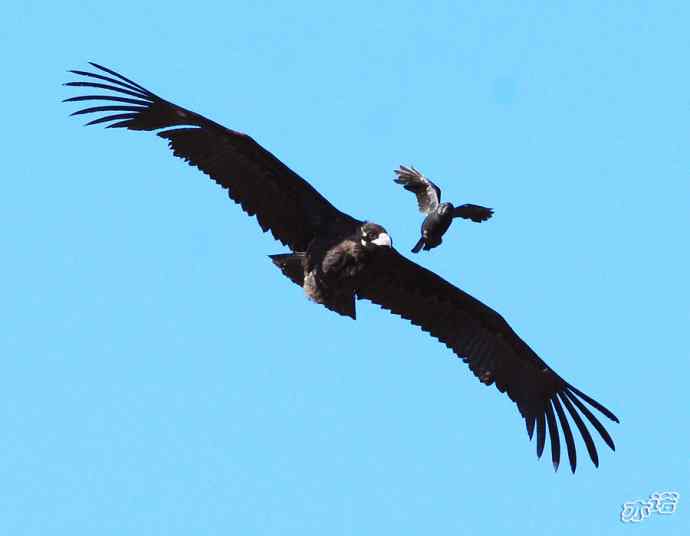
{"x": 439, "y": 215}
{"x": 337, "y": 258}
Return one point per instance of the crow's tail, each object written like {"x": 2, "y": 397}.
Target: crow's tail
{"x": 418, "y": 246}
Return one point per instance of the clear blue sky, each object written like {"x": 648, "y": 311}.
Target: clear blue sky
{"x": 159, "y": 376}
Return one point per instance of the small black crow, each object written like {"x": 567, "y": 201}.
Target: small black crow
{"x": 439, "y": 215}
{"x": 336, "y": 259}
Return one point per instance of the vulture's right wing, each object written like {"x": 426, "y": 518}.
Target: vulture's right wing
{"x": 494, "y": 352}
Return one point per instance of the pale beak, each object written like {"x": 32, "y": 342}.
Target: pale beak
{"x": 383, "y": 240}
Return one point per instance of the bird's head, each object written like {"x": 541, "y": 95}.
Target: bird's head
{"x": 373, "y": 235}
{"x": 445, "y": 208}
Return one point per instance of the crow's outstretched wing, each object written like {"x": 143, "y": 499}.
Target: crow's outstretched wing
{"x": 493, "y": 351}
{"x": 476, "y": 213}
{"x": 282, "y": 201}
{"x": 428, "y": 194}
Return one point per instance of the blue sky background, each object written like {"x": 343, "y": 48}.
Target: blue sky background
{"x": 159, "y": 376}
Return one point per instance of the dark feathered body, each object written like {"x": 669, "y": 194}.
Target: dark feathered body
{"x": 331, "y": 269}
{"x": 434, "y": 227}
{"x": 337, "y": 258}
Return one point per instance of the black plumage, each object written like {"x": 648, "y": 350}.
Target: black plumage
{"x": 336, "y": 259}
{"x": 439, "y": 215}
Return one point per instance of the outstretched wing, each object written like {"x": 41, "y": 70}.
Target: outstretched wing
{"x": 493, "y": 351}
{"x": 282, "y": 201}
{"x": 428, "y": 194}
{"x": 476, "y": 213}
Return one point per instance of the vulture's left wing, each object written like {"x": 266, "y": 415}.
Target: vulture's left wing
{"x": 282, "y": 201}
{"x": 493, "y": 351}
